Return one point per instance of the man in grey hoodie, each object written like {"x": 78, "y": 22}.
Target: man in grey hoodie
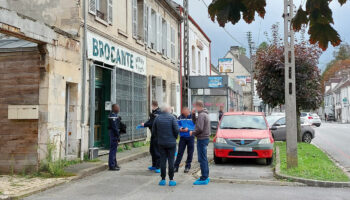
{"x": 202, "y": 132}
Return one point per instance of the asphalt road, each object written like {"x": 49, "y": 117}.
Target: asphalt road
{"x": 135, "y": 182}
{"x": 335, "y": 140}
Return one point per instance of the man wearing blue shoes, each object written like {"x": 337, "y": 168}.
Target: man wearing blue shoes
{"x": 166, "y": 130}
{"x": 154, "y": 143}
{"x": 202, "y": 132}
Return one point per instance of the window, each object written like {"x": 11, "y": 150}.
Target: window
{"x": 138, "y": 19}
{"x": 102, "y": 9}
{"x": 193, "y": 59}
{"x": 281, "y": 122}
{"x": 122, "y": 19}
{"x": 164, "y": 37}
{"x": 206, "y": 66}
{"x": 153, "y": 29}
{"x": 199, "y": 63}
{"x": 243, "y": 122}
{"x": 172, "y": 44}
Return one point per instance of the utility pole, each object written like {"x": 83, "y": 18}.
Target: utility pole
{"x": 251, "y": 47}
{"x": 290, "y": 97}
{"x": 185, "y": 95}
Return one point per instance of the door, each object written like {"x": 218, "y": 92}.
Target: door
{"x": 102, "y": 95}
{"x": 280, "y": 133}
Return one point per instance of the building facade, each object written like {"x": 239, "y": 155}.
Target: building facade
{"x": 242, "y": 73}
{"x": 131, "y": 57}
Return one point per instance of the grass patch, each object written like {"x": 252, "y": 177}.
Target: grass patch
{"x": 55, "y": 169}
{"x": 1, "y": 193}
{"x": 312, "y": 164}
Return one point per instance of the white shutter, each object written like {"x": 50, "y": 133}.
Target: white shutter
{"x": 134, "y": 18}
{"x": 145, "y": 23}
{"x": 159, "y": 90}
{"x": 149, "y": 26}
{"x": 110, "y": 11}
{"x": 156, "y": 32}
{"x": 92, "y": 6}
{"x": 172, "y": 44}
{"x": 159, "y": 33}
{"x": 168, "y": 40}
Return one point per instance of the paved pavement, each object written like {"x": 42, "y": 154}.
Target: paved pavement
{"x": 334, "y": 138}
{"x": 135, "y": 182}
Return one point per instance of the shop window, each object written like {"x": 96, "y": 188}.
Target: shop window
{"x": 102, "y": 9}
{"x": 153, "y": 29}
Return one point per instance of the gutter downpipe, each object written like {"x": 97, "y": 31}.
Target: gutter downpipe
{"x": 180, "y": 28}
{"x": 83, "y": 101}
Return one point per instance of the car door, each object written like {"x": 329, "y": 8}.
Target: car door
{"x": 280, "y": 133}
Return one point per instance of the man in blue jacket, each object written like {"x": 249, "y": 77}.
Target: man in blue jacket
{"x": 166, "y": 130}
{"x": 114, "y": 122}
{"x": 185, "y": 141}
{"x": 154, "y": 150}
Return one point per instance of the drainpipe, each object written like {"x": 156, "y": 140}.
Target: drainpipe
{"x": 180, "y": 49}
{"x": 83, "y": 84}
{"x": 210, "y": 58}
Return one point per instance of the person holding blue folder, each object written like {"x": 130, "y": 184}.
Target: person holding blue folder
{"x": 186, "y": 125}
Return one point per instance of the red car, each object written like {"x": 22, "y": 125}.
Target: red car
{"x": 243, "y": 135}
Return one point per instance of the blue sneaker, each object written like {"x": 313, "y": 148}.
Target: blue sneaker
{"x": 157, "y": 171}
{"x": 201, "y": 182}
{"x": 162, "y": 183}
{"x": 172, "y": 183}
{"x": 152, "y": 168}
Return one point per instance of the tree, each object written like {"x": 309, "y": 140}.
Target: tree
{"x": 270, "y": 63}
{"x": 317, "y": 15}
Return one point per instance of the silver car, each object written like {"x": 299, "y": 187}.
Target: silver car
{"x": 279, "y": 129}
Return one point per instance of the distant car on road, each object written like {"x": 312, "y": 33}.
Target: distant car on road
{"x": 278, "y": 126}
{"x": 243, "y": 135}
{"x": 311, "y": 118}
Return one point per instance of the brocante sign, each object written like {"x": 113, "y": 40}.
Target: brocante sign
{"x": 106, "y": 51}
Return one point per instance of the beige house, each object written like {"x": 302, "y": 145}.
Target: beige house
{"x": 132, "y": 58}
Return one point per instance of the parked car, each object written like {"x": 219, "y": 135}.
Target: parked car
{"x": 278, "y": 127}
{"x": 311, "y": 118}
{"x": 243, "y": 135}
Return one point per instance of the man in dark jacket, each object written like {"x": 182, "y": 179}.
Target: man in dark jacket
{"x": 202, "y": 132}
{"x": 114, "y": 135}
{"x": 154, "y": 150}
{"x": 166, "y": 130}
{"x": 221, "y": 112}
{"x": 186, "y": 140}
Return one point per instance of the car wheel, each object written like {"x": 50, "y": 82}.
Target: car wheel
{"x": 217, "y": 160}
{"x": 269, "y": 161}
{"x": 307, "y": 138}
{"x": 318, "y": 125}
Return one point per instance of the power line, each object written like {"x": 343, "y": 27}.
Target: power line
{"x": 227, "y": 32}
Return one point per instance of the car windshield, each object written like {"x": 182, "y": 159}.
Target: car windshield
{"x": 272, "y": 119}
{"x": 243, "y": 122}
{"x": 303, "y": 115}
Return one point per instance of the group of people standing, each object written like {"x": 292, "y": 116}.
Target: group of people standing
{"x": 165, "y": 130}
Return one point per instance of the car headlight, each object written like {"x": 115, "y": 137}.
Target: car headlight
{"x": 221, "y": 140}
{"x": 265, "y": 141}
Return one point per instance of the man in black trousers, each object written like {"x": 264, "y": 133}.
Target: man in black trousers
{"x": 166, "y": 130}
{"x": 114, "y": 134}
{"x": 154, "y": 150}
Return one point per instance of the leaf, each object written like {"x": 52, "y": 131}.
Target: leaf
{"x": 323, "y": 34}
{"x": 342, "y": 2}
{"x": 300, "y": 19}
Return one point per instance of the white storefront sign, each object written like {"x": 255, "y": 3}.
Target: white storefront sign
{"x": 225, "y": 65}
{"x": 108, "y": 52}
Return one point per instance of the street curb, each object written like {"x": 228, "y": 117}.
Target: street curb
{"x": 84, "y": 173}
{"x": 196, "y": 174}
{"x": 309, "y": 182}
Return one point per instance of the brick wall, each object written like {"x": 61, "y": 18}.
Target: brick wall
{"x": 19, "y": 85}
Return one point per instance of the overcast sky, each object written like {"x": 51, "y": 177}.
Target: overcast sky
{"x": 221, "y": 41}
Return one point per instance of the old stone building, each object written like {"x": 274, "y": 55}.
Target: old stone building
{"x": 56, "y": 90}
{"x": 39, "y": 65}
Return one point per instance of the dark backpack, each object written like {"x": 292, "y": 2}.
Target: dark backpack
{"x": 122, "y": 128}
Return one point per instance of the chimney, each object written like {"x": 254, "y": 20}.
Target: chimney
{"x": 235, "y": 51}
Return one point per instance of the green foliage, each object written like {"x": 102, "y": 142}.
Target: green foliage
{"x": 230, "y": 11}
{"x": 312, "y": 164}
{"x": 138, "y": 144}
{"x": 50, "y": 168}
{"x": 317, "y": 15}
{"x": 270, "y": 75}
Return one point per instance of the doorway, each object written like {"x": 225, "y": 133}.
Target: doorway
{"x": 102, "y": 98}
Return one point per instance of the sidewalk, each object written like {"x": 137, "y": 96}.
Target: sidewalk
{"x": 16, "y": 186}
